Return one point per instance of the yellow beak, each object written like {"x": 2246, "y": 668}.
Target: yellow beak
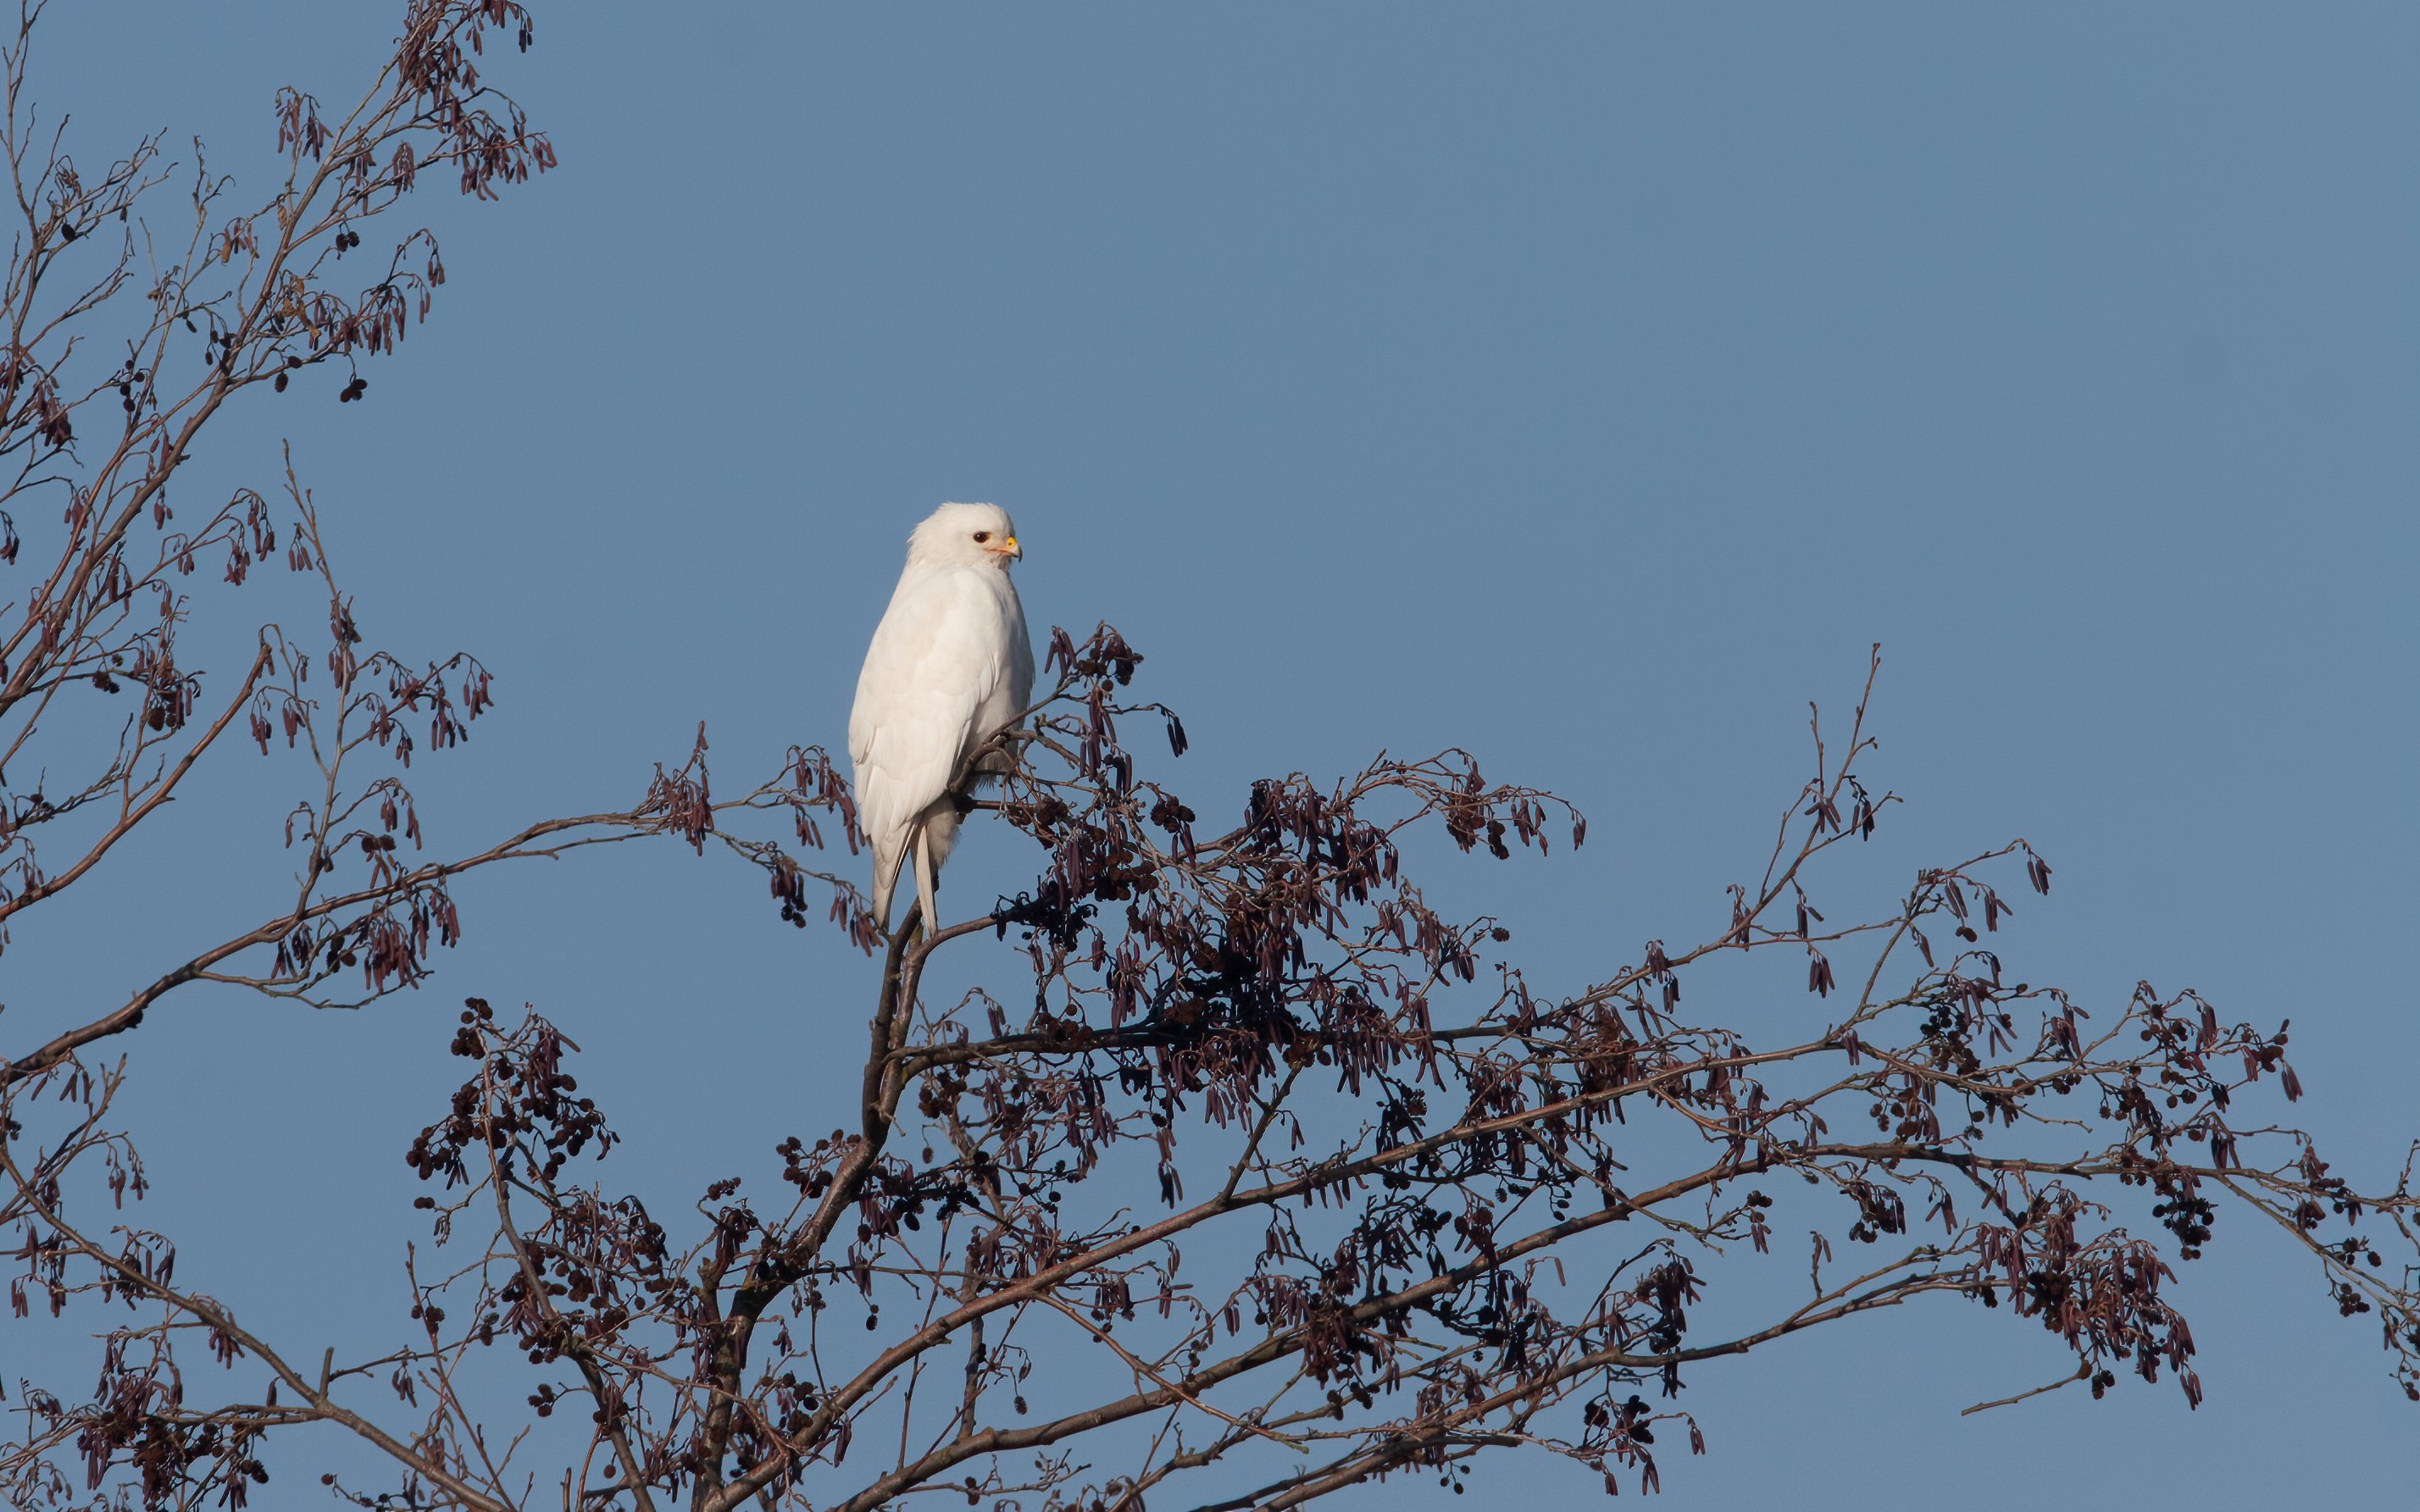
{"x": 1009, "y": 548}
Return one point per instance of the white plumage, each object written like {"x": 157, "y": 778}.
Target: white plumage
{"x": 950, "y": 667}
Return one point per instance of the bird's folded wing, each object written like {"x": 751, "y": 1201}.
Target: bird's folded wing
{"x": 940, "y": 653}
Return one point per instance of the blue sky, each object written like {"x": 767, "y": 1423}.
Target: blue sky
{"x": 1585, "y": 385}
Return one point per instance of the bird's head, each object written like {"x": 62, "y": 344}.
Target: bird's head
{"x": 965, "y": 535}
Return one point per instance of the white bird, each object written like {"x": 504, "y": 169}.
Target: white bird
{"x": 950, "y": 667}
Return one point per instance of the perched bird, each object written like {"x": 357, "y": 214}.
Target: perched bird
{"x": 950, "y": 667}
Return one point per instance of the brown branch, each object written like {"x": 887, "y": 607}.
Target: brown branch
{"x": 577, "y": 1349}
{"x": 322, "y": 1407}
{"x": 161, "y": 792}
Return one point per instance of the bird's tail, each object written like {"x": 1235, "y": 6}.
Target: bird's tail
{"x": 925, "y": 881}
{"x": 891, "y": 860}
{"x": 888, "y": 855}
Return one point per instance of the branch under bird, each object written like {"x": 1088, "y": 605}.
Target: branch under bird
{"x": 951, "y": 666}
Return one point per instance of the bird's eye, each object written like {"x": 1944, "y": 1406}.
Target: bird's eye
{"x": 980, "y": 537}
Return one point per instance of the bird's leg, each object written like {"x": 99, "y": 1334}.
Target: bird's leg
{"x": 1000, "y": 752}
